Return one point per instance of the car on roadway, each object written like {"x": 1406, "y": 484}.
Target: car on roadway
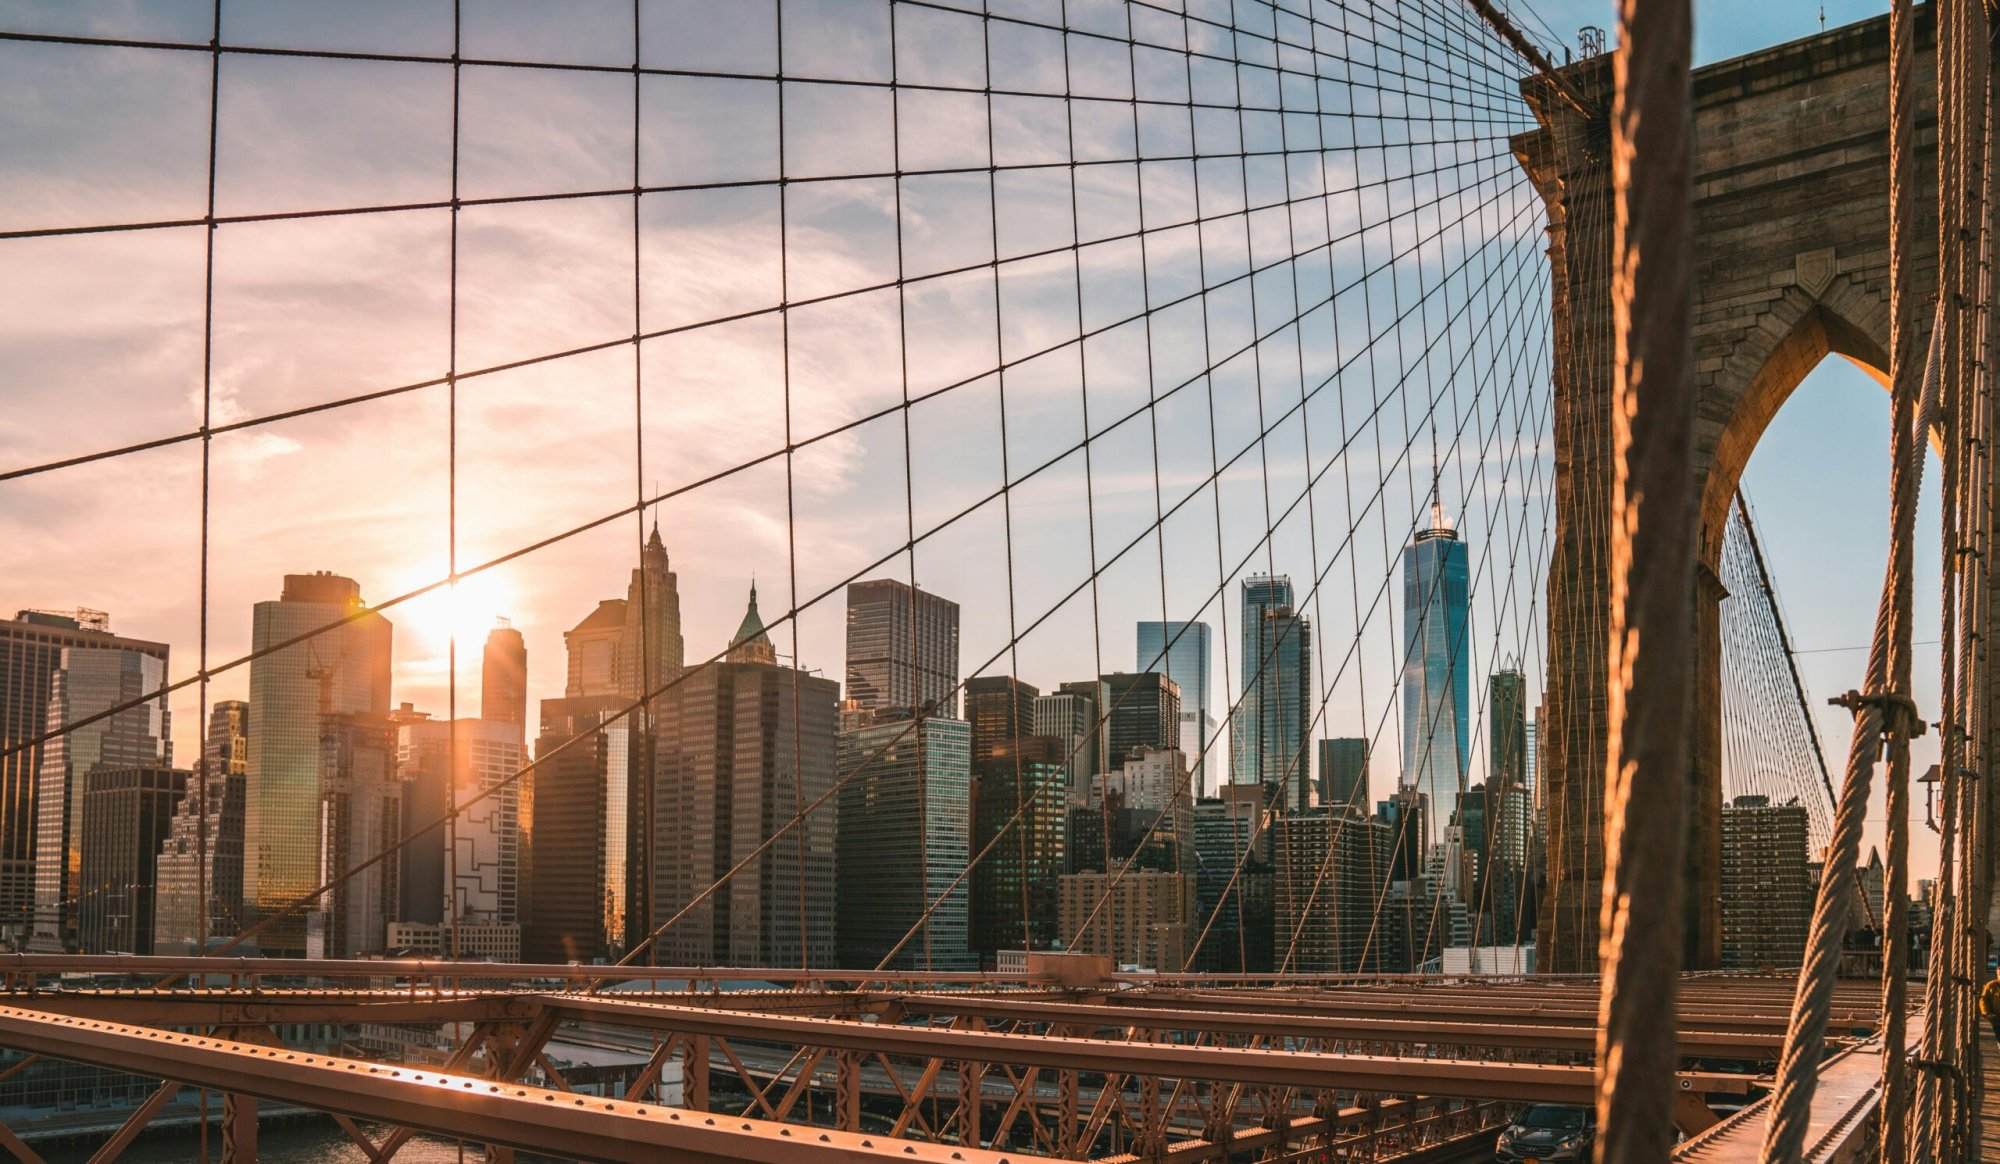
{"x": 1547, "y": 1131}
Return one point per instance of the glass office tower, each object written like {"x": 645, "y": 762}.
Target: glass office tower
{"x": 1181, "y": 651}
{"x": 1436, "y": 665}
{"x": 343, "y": 669}
{"x": 89, "y": 682}
{"x": 902, "y": 840}
{"x": 902, "y": 648}
{"x": 1268, "y": 736}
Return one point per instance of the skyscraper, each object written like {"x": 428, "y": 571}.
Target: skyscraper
{"x": 1233, "y": 880}
{"x": 1437, "y": 664}
{"x": 31, "y": 647}
{"x": 902, "y": 648}
{"x": 210, "y": 832}
{"x": 1001, "y": 710}
{"x": 1145, "y": 713}
{"x": 1767, "y": 895}
{"x": 1343, "y": 773}
{"x": 1407, "y": 814}
{"x": 360, "y": 814}
{"x": 1268, "y": 738}
{"x": 650, "y": 649}
{"x": 1507, "y": 727}
{"x": 751, "y": 644}
{"x": 481, "y": 882}
{"x": 739, "y": 745}
{"x": 904, "y": 841}
{"x": 1181, "y": 651}
{"x": 1531, "y": 764}
{"x": 591, "y": 647}
{"x": 1021, "y": 799}
{"x": 1070, "y": 715}
{"x": 1495, "y": 828}
{"x": 343, "y": 669}
{"x": 1329, "y": 870}
{"x": 575, "y": 814}
{"x": 503, "y": 678}
{"x": 126, "y": 813}
{"x": 87, "y": 682}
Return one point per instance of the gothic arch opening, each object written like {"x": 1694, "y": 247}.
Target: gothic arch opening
{"x": 1821, "y": 330}
{"x": 1818, "y": 462}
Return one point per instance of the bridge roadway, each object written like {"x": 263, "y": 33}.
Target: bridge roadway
{"x": 1196, "y": 1067}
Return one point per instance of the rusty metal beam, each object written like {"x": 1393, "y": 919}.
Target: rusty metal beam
{"x": 168, "y": 1009}
{"x": 135, "y": 1123}
{"x": 18, "y": 1148}
{"x": 458, "y": 1106}
{"x": 1563, "y": 1014}
{"x": 1471, "y": 1079}
{"x": 1564, "y": 1037}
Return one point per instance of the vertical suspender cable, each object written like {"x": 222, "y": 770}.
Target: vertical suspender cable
{"x": 1884, "y": 710}
{"x": 1652, "y": 575}
{"x": 1902, "y": 210}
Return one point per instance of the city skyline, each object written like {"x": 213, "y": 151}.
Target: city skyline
{"x": 479, "y": 597}
{"x": 675, "y": 568}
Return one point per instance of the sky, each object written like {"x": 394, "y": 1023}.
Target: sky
{"x": 101, "y": 342}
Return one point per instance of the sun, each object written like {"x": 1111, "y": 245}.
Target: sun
{"x": 464, "y": 610}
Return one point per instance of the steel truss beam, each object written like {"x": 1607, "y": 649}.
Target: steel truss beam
{"x": 1524, "y": 1036}
{"x": 1312, "y": 1071}
{"x": 459, "y": 1106}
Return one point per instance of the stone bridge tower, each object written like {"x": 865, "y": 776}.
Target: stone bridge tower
{"x": 1791, "y": 236}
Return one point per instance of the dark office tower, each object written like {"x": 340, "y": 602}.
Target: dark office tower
{"x": 902, "y": 648}
{"x": 503, "y": 678}
{"x": 31, "y": 647}
{"x": 126, "y": 814}
{"x": 88, "y": 682}
{"x": 1180, "y": 650}
{"x": 1021, "y": 798}
{"x": 738, "y": 747}
{"x": 575, "y": 809}
{"x": 904, "y": 842}
{"x": 650, "y": 649}
{"x": 1412, "y": 926}
{"x": 1001, "y": 710}
{"x": 1495, "y": 828}
{"x": 1407, "y": 814}
{"x": 1233, "y": 881}
{"x": 1328, "y": 874}
{"x": 1268, "y": 738}
{"x": 1343, "y": 773}
{"x": 481, "y": 884}
{"x": 423, "y": 771}
{"x": 1437, "y": 663}
{"x": 1148, "y": 807}
{"x": 212, "y": 831}
{"x": 1070, "y": 715}
{"x": 592, "y": 650}
{"x": 1532, "y": 765}
{"x": 340, "y": 668}
{"x": 1098, "y": 747}
{"x": 1507, "y": 715}
{"x": 361, "y": 815}
{"x": 1145, "y": 713}
{"x": 1767, "y": 895}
